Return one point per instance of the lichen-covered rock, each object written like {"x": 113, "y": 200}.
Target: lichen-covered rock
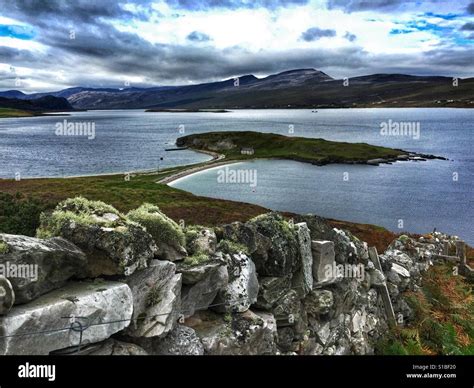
{"x": 318, "y": 302}
{"x": 201, "y": 294}
{"x": 196, "y": 271}
{"x": 245, "y": 333}
{"x": 291, "y": 320}
{"x": 156, "y": 299}
{"x": 270, "y": 290}
{"x": 91, "y": 303}
{"x": 200, "y": 239}
{"x": 113, "y": 244}
{"x": 7, "y": 295}
{"x": 348, "y": 248}
{"x": 241, "y": 290}
{"x": 181, "y": 341}
{"x": 166, "y": 233}
{"x": 345, "y": 249}
{"x": 35, "y": 267}
{"x": 256, "y": 244}
{"x": 271, "y": 242}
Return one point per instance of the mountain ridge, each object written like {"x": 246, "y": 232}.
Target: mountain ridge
{"x": 295, "y": 88}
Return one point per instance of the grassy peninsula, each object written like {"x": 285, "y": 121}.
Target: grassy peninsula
{"x": 270, "y": 145}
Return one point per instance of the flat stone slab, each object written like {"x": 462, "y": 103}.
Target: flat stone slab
{"x": 324, "y": 258}
{"x": 41, "y": 326}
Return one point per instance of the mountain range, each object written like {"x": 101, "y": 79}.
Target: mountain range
{"x": 300, "y": 88}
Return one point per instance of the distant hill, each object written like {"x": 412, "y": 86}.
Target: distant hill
{"x": 299, "y": 88}
{"x": 42, "y": 104}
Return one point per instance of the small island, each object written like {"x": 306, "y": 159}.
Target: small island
{"x": 256, "y": 145}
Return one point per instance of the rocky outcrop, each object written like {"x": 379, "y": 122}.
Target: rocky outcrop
{"x": 156, "y": 294}
{"x": 166, "y": 233}
{"x": 202, "y": 293}
{"x": 241, "y": 289}
{"x": 35, "y": 267}
{"x": 113, "y": 244}
{"x": 103, "y": 308}
{"x": 200, "y": 240}
{"x": 266, "y": 286}
{"x": 271, "y": 243}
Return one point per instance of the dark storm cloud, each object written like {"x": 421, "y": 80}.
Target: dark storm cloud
{"x": 470, "y": 9}
{"x": 16, "y": 56}
{"x": 101, "y": 55}
{"x": 200, "y": 5}
{"x": 468, "y": 27}
{"x": 42, "y": 12}
{"x": 197, "y": 36}
{"x": 315, "y": 33}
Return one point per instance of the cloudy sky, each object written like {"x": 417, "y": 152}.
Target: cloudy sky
{"x": 54, "y": 44}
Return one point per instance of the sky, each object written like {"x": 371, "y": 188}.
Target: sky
{"x": 48, "y": 45}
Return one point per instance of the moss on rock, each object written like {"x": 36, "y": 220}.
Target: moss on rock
{"x": 161, "y": 227}
{"x": 196, "y": 259}
{"x": 3, "y": 247}
{"x": 231, "y": 247}
{"x": 80, "y": 211}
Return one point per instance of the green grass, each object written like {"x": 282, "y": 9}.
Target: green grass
{"x": 9, "y": 112}
{"x": 444, "y": 318}
{"x": 80, "y": 210}
{"x": 161, "y": 227}
{"x": 196, "y": 259}
{"x": 231, "y": 247}
{"x": 21, "y": 202}
{"x": 269, "y": 145}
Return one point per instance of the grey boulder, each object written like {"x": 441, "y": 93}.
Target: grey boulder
{"x": 35, "y": 267}
{"x": 241, "y": 290}
{"x": 156, "y": 299}
{"x": 102, "y": 308}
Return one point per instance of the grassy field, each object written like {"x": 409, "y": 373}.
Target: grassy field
{"x": 269, "y": 145}
{"x": 127, "y": 195}
{"x": 8, "y": 112}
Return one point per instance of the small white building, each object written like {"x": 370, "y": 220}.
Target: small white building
{"x": 247, "y": 151}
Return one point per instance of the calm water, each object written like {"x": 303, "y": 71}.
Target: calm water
{"x": 423, "y": 195}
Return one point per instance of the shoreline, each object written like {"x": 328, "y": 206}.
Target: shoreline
{"x": 220, "y": 160}
{"x": 412, "y": 157}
